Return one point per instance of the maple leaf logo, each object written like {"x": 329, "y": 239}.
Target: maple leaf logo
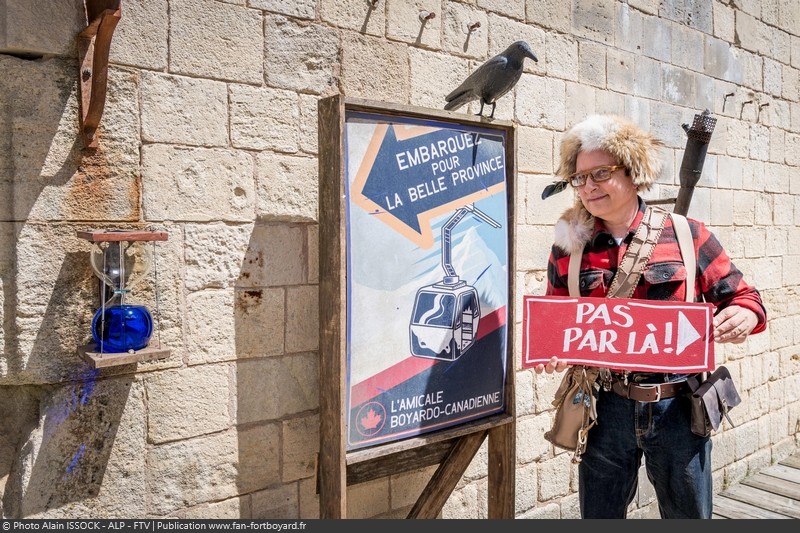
{"x": 371, "y": 420}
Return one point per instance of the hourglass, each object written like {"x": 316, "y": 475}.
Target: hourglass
{"x": 121, "y": 260}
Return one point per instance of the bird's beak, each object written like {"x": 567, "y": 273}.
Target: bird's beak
{"x": 532, "y": 56}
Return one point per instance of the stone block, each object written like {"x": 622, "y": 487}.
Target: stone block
{"x": 302, "y": 9}
{"x": 375, "y": 69}
{"x": 448, "y": 72}
{"x": 41, "y": 27}
{"x": 552, "y": 481}
{"x": 530, "y": 430}
{"x": 309, "y": 498}
{"x": 678, "y": 85}
{"x": 620, "y": 68}
{"x": 687, "y": 48}
{"x": 721, "y": 208}
{"x": 647, "y": 78}
{"x": 457, "y": 38}
{"x": 594, "y": 20}
{"x": 308, "y": 124}
{"x": 259, "y": 322}
{"x": 300, "y": 56}
{"x": 534, "y": 257}
{"x": 356, "y": 15}
{"x": 188, "y": 402}
{"x": 287, "y": 187}
{"x": 524, "y": 385}
{"x": 629, "y": 29}
{"x": 183, "y": 110}
{"x": 534, "y": 150}
{"x": 264, "y": 119}
{"x": 278, "y": 503}
{"x": 540, "y": 102}
{"x": 300, "y": 447}
{"x": 689, "y": 13}
{"x": 216, "y": 40}
{"x": 47, "y": 175}
{"x": 552, "y": 14}
{"x": 658, "y": 44}
{"x": 199, "y": 470}
{"x": 259, "y": 448}
{"x": 204, "y": 184}
{"x": 753, "y": 35}
{"x": 404, "y": 22}
{"x": 292, "y": 378}
{"x": 213, "y": 254}
{"x": 210, "y": 326}
{"x": 302, "y": 318}
{"x": 526, "y": 488}
{"x": 514, "y": 9}
{"x": 86, "y": 455}
{"x": 235, "y": 508}
{"x": 312, "y": 237}
{"x": 468, "y": 501}
{"x": 140, "y": 38}
{"x": 561, "y": 60}
{"x": 406, "y": 487}
{"x": 276, "y": 257}
{"x": 592, "y": 64}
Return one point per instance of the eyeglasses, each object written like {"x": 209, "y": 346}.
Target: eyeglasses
{"x": 598, "y": 174}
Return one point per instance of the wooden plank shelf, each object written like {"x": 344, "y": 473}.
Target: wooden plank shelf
{"x": 97, "y": 359}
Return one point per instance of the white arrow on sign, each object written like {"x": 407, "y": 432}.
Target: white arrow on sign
{"x": 686, "y": 333}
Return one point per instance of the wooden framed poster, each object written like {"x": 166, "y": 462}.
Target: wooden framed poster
{"x": 416, "y": 276}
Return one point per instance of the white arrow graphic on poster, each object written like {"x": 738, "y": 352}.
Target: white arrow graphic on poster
{"x": 686, "y": 333}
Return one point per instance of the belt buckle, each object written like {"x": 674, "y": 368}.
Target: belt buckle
{"x": 656, "y": 386}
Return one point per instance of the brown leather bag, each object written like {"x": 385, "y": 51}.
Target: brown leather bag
{"x": 711, "y": 400}
{"x": 576, "y": 410}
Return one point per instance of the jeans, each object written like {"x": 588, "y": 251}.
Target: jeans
{"x": 677, "y": 462}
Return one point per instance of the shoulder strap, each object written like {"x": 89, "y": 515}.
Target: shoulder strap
{"x": 574, "y": 273}
{"x": 686, "y": 244}
{"x": 639, "y": 251}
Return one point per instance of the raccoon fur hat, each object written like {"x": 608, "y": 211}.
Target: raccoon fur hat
{"x": 630, "y": 145}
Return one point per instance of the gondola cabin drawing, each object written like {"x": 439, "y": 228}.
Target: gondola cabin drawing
{"x": 446, "y": 314}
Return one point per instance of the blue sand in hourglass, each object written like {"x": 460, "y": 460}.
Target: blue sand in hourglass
{"x": 125, "y": 327}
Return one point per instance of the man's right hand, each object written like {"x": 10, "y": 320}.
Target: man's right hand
{"x": 553, "y": 365}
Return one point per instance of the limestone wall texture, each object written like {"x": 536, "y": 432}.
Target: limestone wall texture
{"x": 210, "y": 134}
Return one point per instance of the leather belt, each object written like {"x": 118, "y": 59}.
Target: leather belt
{"x": 649, "y": 392}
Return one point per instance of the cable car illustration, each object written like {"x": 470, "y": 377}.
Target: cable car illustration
{"x": 445, "y": 318}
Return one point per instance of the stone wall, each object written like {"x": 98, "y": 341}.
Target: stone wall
{"x": 210, "y": 134}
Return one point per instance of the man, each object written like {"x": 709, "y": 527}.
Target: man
{"x": 608, "y": 161}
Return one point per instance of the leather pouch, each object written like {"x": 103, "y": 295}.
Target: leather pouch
{"x": 711, "y": 401}
{"x": 576, "y": 410}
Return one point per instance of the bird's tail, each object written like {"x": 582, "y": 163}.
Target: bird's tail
{"x": 458, "y": 101}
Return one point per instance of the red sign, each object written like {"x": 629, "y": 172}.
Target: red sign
{"x": 641, "y": 335}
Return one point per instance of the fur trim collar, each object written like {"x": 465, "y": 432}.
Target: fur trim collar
{"x": 574, "y": 229}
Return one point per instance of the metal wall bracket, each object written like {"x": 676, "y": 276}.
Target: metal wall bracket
{"x": 94, "y": 44}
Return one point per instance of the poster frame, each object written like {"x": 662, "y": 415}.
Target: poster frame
{"x": 453, "y": 447}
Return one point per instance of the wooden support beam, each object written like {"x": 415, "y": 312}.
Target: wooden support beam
{"x": 94, "y": 45}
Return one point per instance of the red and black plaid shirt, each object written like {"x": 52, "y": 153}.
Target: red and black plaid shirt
{"x": 718, "y": 280}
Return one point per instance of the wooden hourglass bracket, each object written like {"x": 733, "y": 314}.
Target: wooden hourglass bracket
{"x": 122, "y": 235}
{"x": 153, "y": 350}
{"x": 94, "y": 45}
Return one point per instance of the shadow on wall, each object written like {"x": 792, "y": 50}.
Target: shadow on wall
{"x": 277, "y": 377}
{"x": 56, "y": 440}
{"x": 63, "y": 462}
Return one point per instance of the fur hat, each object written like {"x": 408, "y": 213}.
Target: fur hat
{"x": 630, "y": 146}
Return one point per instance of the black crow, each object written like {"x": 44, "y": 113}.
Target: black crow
{"x": 492, "y": 79}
